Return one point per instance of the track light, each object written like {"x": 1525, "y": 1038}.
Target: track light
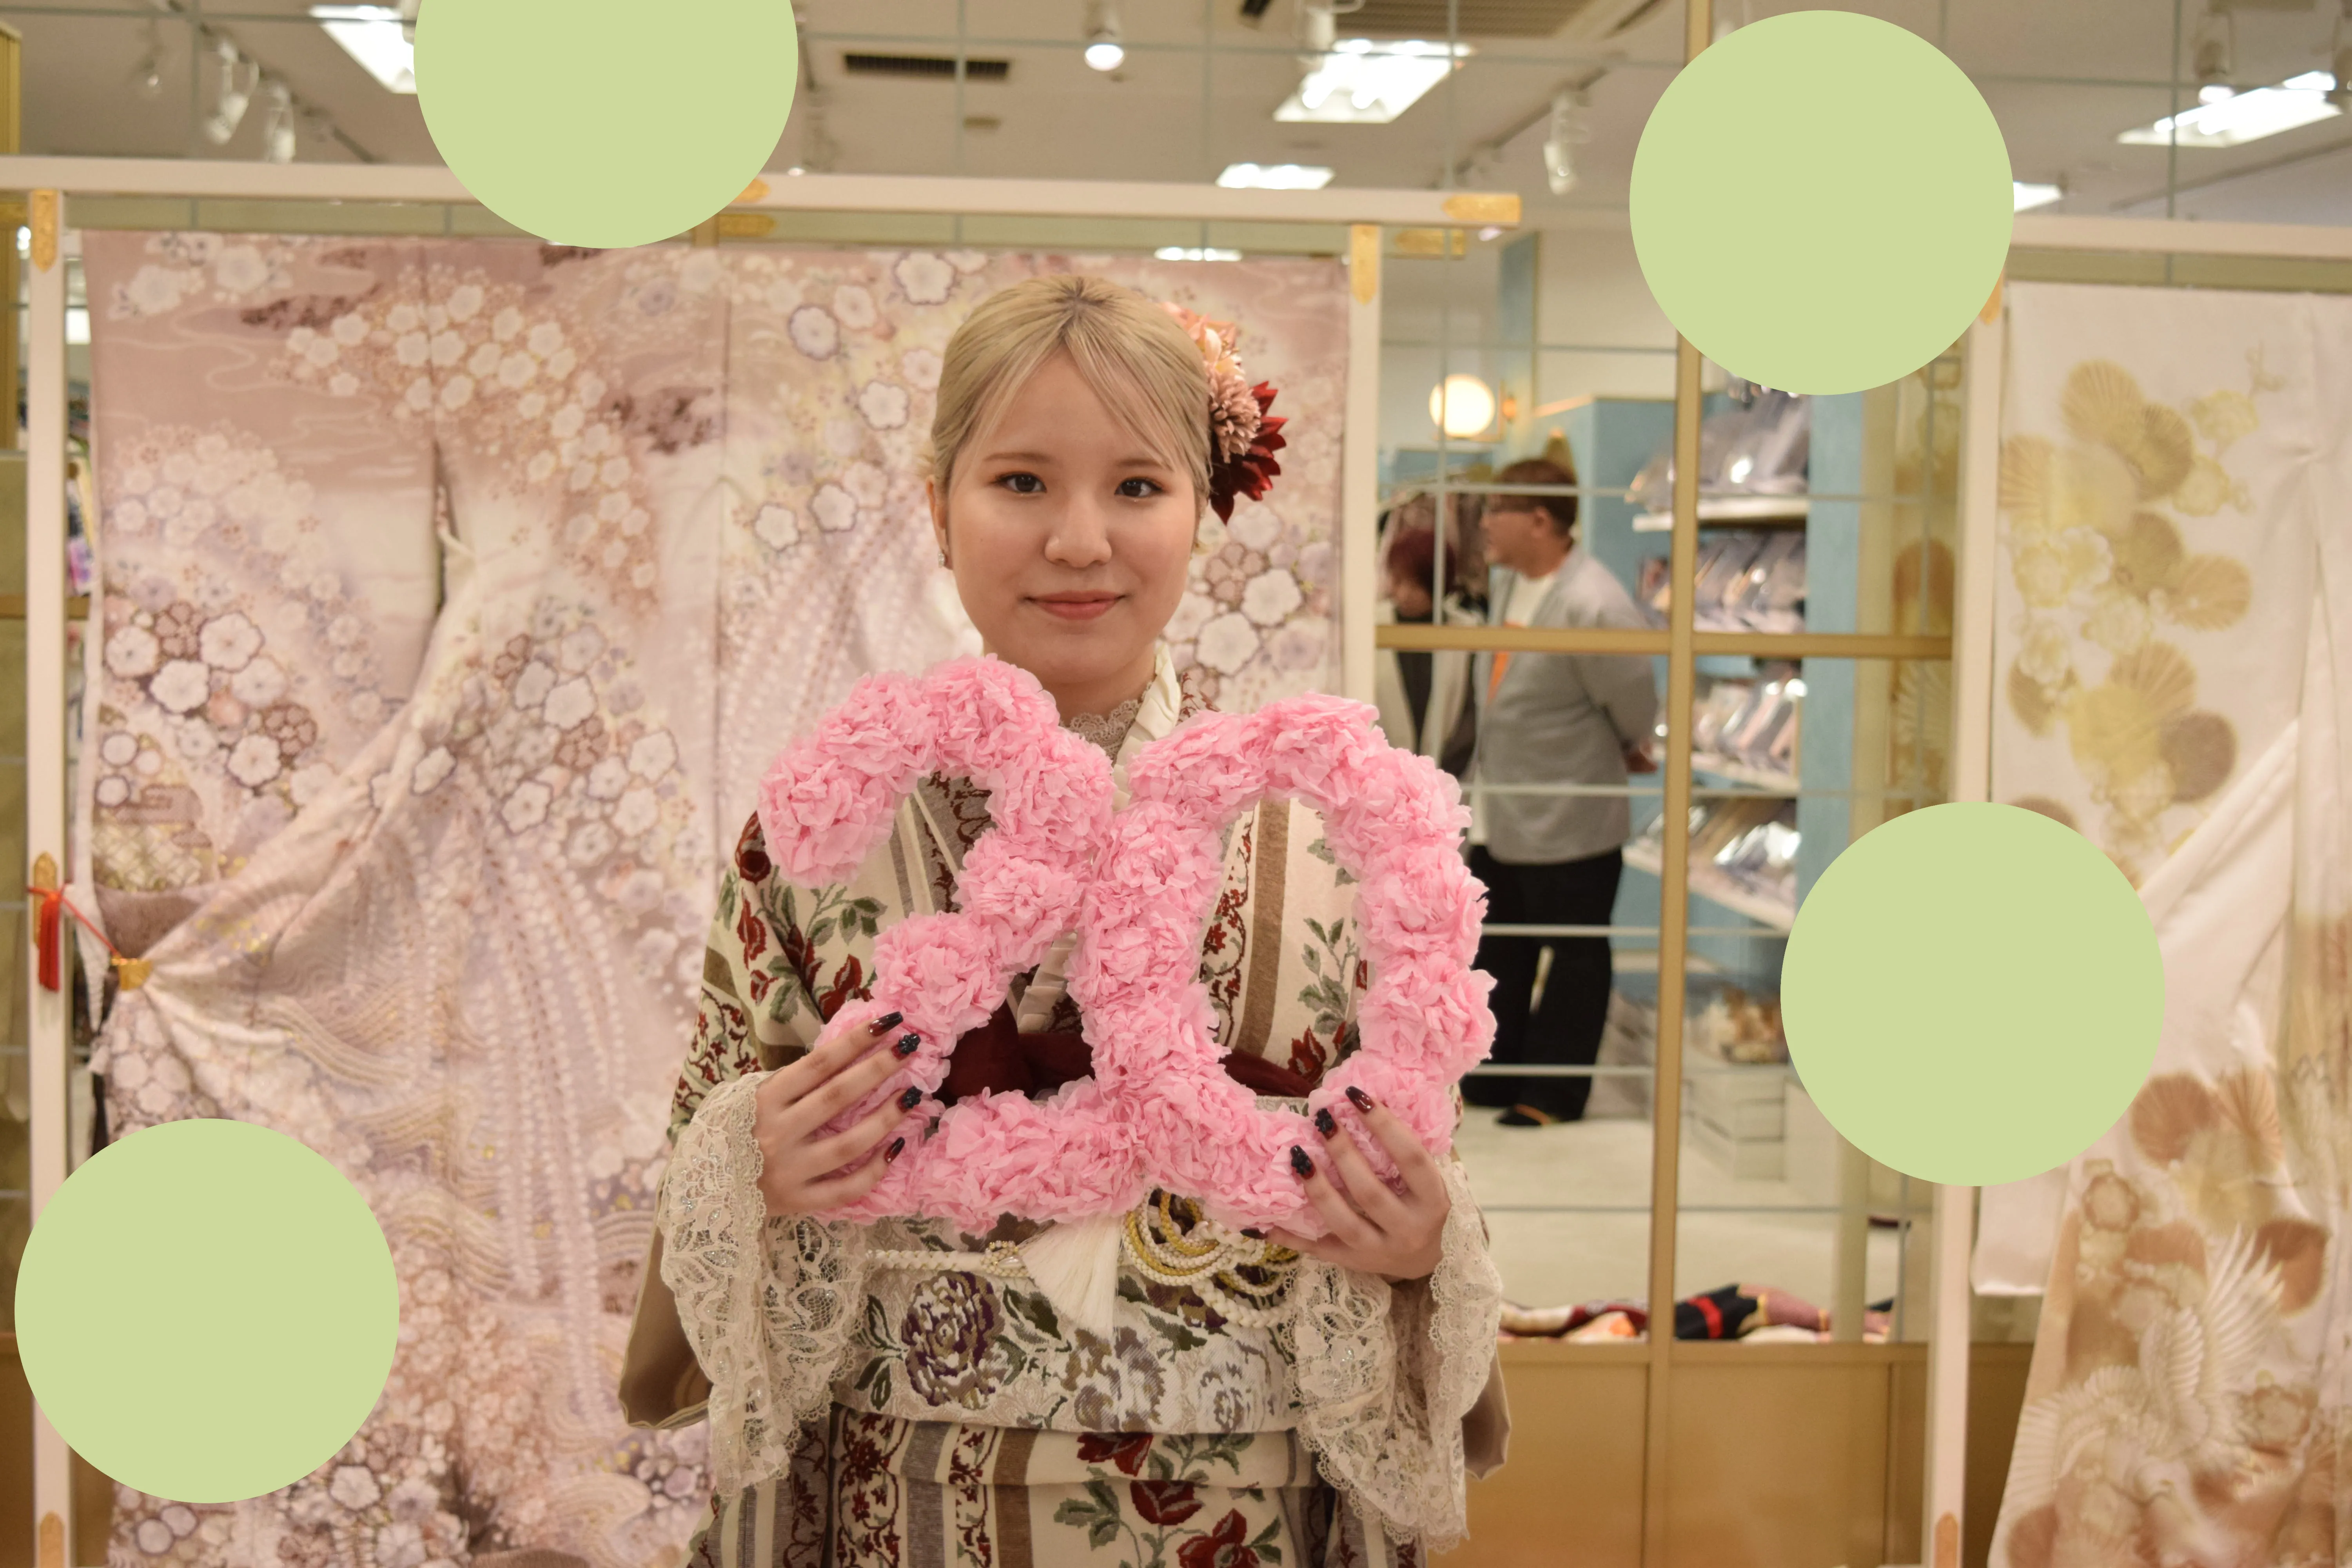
{"x": 1104, "y": 51}
{"x": 2339, "y": 54}
{"x": 147, "y": 76}
{"x": 278, "y": 124}
{"x": 1568, "y": 130}
{"x": 232, "y": 101}
{"x": 2214, "y": 60}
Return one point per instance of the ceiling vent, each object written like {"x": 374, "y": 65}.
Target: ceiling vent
{"x": 931, "y": 68}
{"x": 1490, "y": 18}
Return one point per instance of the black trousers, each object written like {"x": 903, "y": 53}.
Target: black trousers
{"x": 1566, "y": 1029}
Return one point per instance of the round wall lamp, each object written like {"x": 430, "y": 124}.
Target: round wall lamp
{"x": 1463, "y": 406}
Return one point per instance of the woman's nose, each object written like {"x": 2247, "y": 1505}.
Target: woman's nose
{"x": 1081, "y": 535}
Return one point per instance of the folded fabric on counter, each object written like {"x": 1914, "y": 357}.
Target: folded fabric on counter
{"x": 1726, "y": 1312}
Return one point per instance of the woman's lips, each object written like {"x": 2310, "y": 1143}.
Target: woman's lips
{"x": 1080, "y": 608}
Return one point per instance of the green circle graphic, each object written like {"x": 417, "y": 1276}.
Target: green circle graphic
{"x": 1972, "y": 994}
{"x": 603, "y": 124}
{"x": 1821, "y": 202}
{"x": 207, "y": 1310}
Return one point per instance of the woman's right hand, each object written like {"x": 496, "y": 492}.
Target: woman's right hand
{"x": 805, "y": 1170}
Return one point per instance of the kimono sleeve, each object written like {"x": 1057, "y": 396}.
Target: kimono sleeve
{"x": 756, "y": 1012}
{"x": 753, "y": 1013}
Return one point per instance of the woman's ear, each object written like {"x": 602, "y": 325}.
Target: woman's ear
{"x": 938, "y": 503}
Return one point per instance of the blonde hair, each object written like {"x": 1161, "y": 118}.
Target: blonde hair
{"x": 1131, "y": 351}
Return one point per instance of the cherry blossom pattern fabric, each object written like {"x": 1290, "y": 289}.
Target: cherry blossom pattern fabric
{"x": 451, "y": 593}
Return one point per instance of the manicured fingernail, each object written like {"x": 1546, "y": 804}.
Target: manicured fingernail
{"x": 896, "y": 1146}
{"x": 887, "y": 1021}
{"x": 1300, "y": 1163}
{"x": 1326, "y": 1123}
{"x": 1359, "y": 1099}
{"x": 907, "y": 1044}
{"x": 912, "y": 1098}
{"x": 1254, "y": 1235}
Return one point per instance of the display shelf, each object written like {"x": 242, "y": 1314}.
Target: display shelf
{"x": 1753, "y": 511}
{"x": 1741, "y": 774}
{"x": 1720, "y": 890}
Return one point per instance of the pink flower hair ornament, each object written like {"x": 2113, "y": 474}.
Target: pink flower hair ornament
{"x": 1138, "y": 887}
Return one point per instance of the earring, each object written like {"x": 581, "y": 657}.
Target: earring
{"x": 943, "y": 557}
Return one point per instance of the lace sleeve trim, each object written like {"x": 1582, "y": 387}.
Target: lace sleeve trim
{"x": 1385, "y": 1374}
{"x": 768, "y": 1303}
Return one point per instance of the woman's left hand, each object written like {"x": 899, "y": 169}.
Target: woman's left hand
{"x": 1374, "y": 1228}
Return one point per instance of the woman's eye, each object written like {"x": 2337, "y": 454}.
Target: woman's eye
{"x": 1139, "y": 490}
{"x": 1024, "y": 484}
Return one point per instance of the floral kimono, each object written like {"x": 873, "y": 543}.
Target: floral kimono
{"x": 901, "y": 1394}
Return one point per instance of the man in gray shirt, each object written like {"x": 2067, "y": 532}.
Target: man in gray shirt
{"x": 1552, "y": 859}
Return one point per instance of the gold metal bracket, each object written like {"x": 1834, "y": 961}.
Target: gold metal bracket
{"x": 1484, "y": 206}
{"x": 1364, "y": 262}
{"x": 42, "y": 214}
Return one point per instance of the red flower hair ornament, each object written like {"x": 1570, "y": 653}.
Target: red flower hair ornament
{"x": 1243, "y": 436}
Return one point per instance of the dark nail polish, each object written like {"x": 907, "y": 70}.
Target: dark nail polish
{"x": 887, "y": 1022}
{"x": 1254, "y": 1235}
{"x": 897, "y": 1146}
{"x": 1300, "y": 1163}
{"x": 912, "y": 1098}
{"x": 1359, "y": 1099}
{"x": 907, "y": 1044}
{"x": 1326, "y": 1123}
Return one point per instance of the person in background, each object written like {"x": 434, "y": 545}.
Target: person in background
{"x": 1551, "y": 860}
{"x": 1423, "y": 696}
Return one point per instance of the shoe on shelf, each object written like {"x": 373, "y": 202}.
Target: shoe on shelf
{"x": 1525, "y": 1116}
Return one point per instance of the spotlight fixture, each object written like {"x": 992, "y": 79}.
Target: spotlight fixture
{"x": 278, "y": 124}
{"x": 1568, "y": 130}
{"x": 2214, "y": 56}
{"x": 2340, "y": 61}
{"x": 1104, "y": 51}
{"x": 147, "y": 76}
{"x": 230, "y": 100}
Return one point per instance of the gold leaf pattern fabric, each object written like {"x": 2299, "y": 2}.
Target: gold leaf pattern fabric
{"x": 2189, "y": 711}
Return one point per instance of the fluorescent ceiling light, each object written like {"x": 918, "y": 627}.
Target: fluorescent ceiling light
{"x": 1195, "y": 253}
{"x": 372, "y": 34}
{"x": 2033, "y": 195}
{"x": 1363, "y": 82}
{"x": 1274, "y": 177}
{"x": 2246, "y": 117}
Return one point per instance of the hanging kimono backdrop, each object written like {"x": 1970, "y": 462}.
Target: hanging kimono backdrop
{"x": 2174, "y": 648}
{"x": 454, "y": 596}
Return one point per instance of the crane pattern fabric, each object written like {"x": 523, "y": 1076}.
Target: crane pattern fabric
{"x": 2174, "y": 668}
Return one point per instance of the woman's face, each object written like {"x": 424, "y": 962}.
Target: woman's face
{"x": 1070, "y": 541}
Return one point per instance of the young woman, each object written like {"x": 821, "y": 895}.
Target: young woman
{"x": 875, "y": 1397}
